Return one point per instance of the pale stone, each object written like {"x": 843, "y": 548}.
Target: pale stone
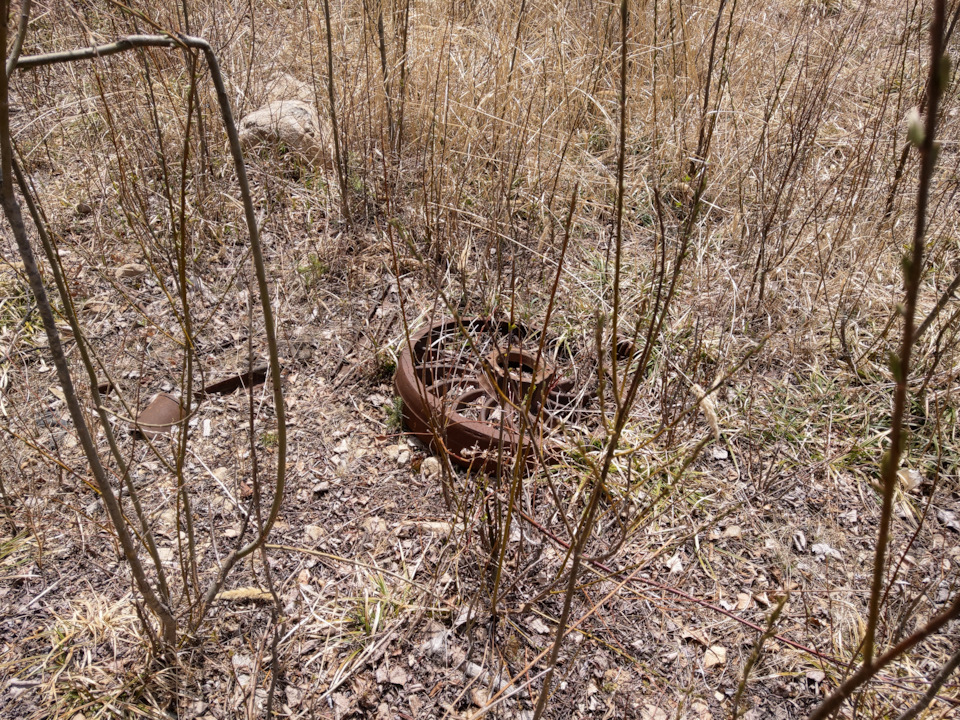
{"x": 288, "y": 124}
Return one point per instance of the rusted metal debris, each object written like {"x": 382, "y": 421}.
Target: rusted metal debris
{"x": 165, "y": 410}
{"x": 160, "y": 416}
{"x": 233, "y": 383}
{"x": 466, "y": 387}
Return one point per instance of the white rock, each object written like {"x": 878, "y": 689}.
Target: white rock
{"x": 398, "y": 676}
{"x": 430, "y": 468}
{"x": 294, "y": 696}
{"x": 289, "y": 124}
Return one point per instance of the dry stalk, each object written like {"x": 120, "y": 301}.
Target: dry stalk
{"x": 339, "y": 152}
{"x": 913, "y": 265}
{"x": 157, "y": 606}
{"x": 12, "y": 211}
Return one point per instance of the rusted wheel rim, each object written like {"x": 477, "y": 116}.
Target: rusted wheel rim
{"x": 464, "y": 385}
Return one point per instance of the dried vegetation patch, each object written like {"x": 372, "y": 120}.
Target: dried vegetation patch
{"x": 767, "y": 188}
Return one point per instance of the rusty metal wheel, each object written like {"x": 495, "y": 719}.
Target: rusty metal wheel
{"x": 466, "y": 387}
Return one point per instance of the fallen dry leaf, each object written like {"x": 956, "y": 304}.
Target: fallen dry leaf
{"x": 441, "y": 528}
{"x": 800, "y": 541}
{"x": 824, "y": 550}
{"x": 910, "y": 478}
{"x": 695, "y": 634}
{"x": 375, "y": 525}
{"x": 398, "y": 676}
{"x": 949, "y": 518}
{"x": 714, "y": 655}
{"x": 479, "y": 697}
{"x": 708, "y": 408}
{"x": 700, "y": 711}
{"x": 538, "y": 626}
{"x": 245, "y": 593}
{"x": 652, "y": 712}
{"x": 344, "y": 704}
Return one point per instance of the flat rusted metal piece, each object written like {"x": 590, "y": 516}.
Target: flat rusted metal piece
{"x": 466, "y": 386}
{"x": 233, "y": 383}
{"x": 160, "y": 416}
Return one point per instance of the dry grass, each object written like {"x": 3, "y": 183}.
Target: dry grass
{"x": 505, "y": 107}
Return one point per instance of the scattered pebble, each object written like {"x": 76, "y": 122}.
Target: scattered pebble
{"x": 430, "y": 468}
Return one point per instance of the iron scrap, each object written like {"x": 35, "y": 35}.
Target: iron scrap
{"x": 481, "y": 391}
